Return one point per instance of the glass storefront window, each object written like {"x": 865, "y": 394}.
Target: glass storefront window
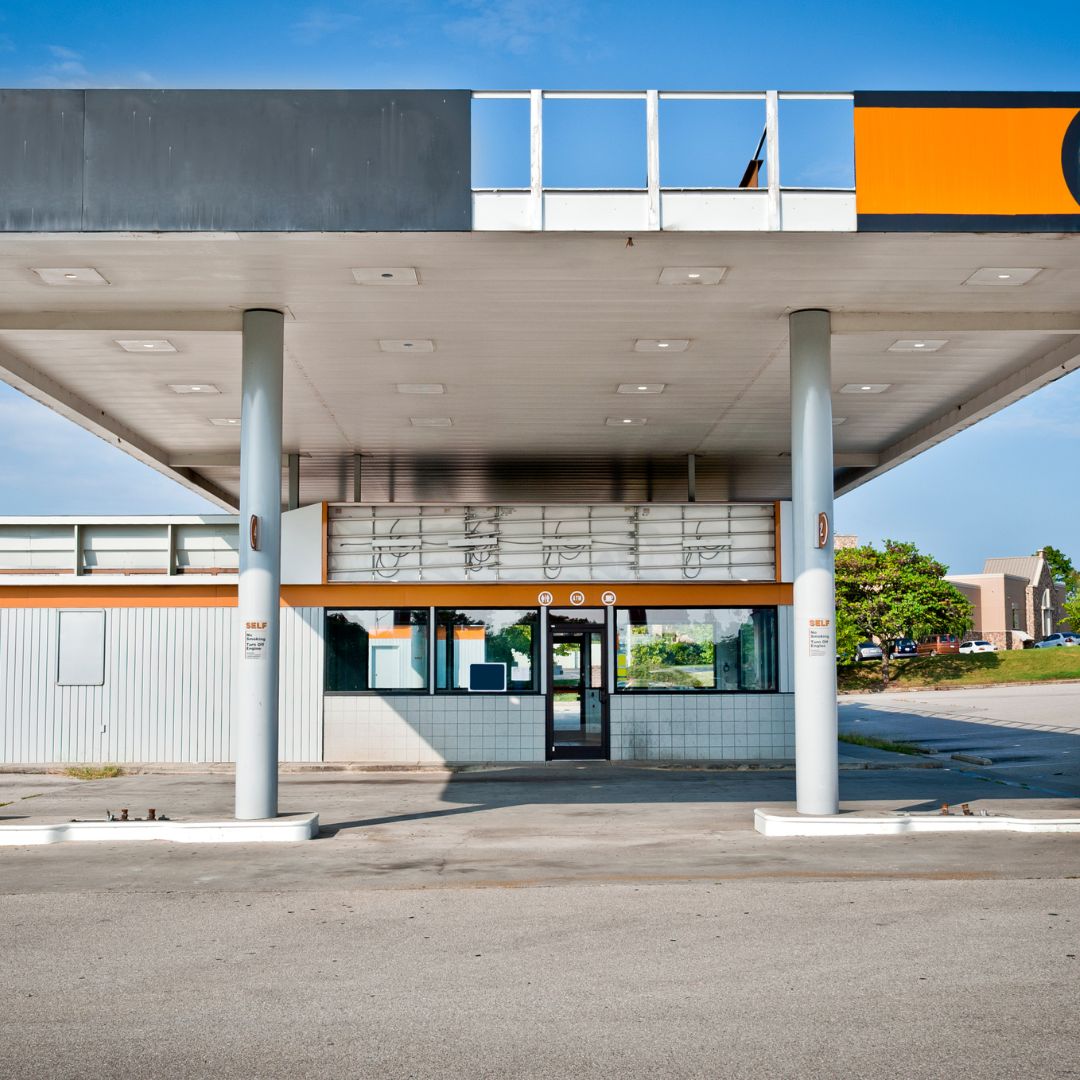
{"x": 377, "y": 649}
{"x": 486, "y": 636}
{"x": 696, "y": 649}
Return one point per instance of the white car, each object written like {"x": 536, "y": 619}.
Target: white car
{"x": 1052, "y": 641}
{"x": 978, "y": 646}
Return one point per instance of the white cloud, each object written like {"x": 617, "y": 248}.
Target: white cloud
{"x": 320, "y": 23}
{"x": 515, "y": 26}
{"x": 67, "y": 71}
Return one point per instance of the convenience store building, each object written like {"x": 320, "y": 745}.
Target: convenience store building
{"x": 520, "y": 474}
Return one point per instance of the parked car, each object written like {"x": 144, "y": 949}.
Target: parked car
{"x": 904, "y": 646}
{"x": 867, "y": 650}
{"x": 978, "y": 646}
{"x": 939, "y": 645}
{"x": 1052, "y": 641}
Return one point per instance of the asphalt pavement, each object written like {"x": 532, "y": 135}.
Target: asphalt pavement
{"x": 1029, "y": 735}
{"x": 580, "y": 920}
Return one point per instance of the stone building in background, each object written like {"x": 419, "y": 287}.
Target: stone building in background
{"x": 1015, "y": 600}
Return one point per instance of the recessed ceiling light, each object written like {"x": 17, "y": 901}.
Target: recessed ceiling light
{"x": 193, "y": 388}
{"x": 385, "y": 275}
{"x": 1003, "y": 275}
{"x": 225, "y": 421}
{"x": 421, "y": 388}
{"x": 146, "y": 345}
{"x": 661, "y": 345}
{"x": 921, "y": 345}
{"x": 431, "y": 421}
{"x": 641, "y": 388}
{"x": 692, "y": 275}
{"x": 406, "y": 345}
{"x": 865, "y": 388}
{"x": 69, "y": 275}
{"x": 625, "y": 421}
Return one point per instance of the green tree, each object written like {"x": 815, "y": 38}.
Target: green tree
{"x": 894, "y": 593}
{"x": 1061, "y": 568}
{"x": 1064, "y": 573}
{"x": 1072, "y": 611}
{"x": 848, "y": 635}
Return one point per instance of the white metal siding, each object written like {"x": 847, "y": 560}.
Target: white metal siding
{"x": 169, "y": 692}
{"x": 301, "y": 730}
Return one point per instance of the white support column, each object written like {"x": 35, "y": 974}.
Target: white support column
{"x": 816, "y": 766}
{"x": 260, "y": 565}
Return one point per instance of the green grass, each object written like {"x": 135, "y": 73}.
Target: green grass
{"x": 882, "y": 744}
{"x": 1021, "y": 665}
{"x": 93, "y": 772}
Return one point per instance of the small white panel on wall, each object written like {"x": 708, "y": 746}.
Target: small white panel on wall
{"x": 302, "y": 546}
{"x": 81, "y": 648}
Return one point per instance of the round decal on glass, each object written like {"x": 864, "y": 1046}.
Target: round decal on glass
{"x": 577, "y": 598}
{"x": 608, "y": 598}
{"x": 544, "y": 599}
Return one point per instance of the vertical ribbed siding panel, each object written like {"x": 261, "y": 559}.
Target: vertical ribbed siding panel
{"x": 300, "y": 735}
{"x": 169, "y": 690}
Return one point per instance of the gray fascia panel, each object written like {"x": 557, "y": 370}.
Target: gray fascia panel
{"x": 236, "y": 160}
{"x": 41, "y": 160}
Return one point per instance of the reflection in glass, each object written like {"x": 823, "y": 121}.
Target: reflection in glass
{"x": 696, "y": 649}
{"x": 485, "y": 636}
{"x": 377, "y": 649}
{"x": 577, "y": 688}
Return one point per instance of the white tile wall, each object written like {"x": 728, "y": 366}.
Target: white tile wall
{"x": 647, "y": 727}
{"x": 407, "y": 729}
{"x": 705, "y": 727}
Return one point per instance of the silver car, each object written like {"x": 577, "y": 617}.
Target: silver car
{"x": 1052, "y": 641}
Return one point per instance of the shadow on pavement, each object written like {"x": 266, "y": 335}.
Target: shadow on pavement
{"x": 594, "y": 788}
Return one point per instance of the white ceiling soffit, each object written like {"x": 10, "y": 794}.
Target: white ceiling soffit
{"x": 535, "y": 333}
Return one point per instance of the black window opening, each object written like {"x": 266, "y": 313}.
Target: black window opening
{"x": 383, "y": 650}
{"x": 476, "y": 637}
{"x": 696, "y": 649}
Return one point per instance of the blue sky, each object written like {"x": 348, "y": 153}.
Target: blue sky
{"x": 949, "y": 500}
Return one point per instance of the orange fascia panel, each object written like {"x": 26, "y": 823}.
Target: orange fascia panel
{"x": 117, "y": 596}
{"x": 962, "y": 161}
{"x": 637, "y": 594}
{"x": 967, "y": 161}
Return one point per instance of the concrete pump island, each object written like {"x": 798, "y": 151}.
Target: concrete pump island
{"x": 507, "y": 476}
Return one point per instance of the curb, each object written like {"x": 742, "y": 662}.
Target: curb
{"x": 285, "y": 829}
{"x": 776, "y": 822}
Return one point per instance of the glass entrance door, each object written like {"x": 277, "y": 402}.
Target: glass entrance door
{"x": 577, "y": 694}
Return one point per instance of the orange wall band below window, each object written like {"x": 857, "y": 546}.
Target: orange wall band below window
{"x": 637, "y": 594}
{"x": 967, "y": 161}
